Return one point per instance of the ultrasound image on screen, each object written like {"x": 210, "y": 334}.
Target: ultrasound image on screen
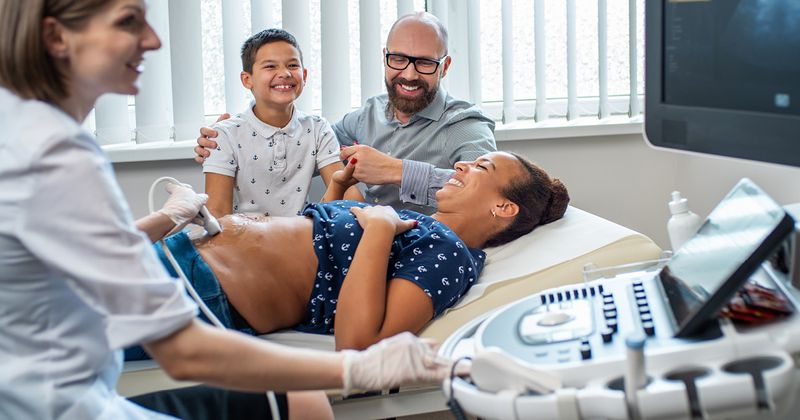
{"x": 741, "y": 55}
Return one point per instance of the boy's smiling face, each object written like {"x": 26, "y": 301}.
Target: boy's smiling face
{"x": 278, "y": 75}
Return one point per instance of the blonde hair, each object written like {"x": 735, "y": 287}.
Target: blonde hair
{"x": 26, "y": 67}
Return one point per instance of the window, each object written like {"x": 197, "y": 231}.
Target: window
{"x": 501, "y": 59}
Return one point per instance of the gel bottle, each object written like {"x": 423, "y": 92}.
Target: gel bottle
{"x": 683, "y": 224}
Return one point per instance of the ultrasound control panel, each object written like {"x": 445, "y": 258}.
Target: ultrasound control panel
{"x": 587, "y": 321}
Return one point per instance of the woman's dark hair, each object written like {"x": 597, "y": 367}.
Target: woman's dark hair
{"x": 541, "y": 200}
{"x": 26, "y": 68}
{"x": 267, "y": 36}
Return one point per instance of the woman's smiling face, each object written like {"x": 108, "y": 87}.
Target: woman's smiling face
{"x": 480, "y": 181}
{"x": 106, "y": 55}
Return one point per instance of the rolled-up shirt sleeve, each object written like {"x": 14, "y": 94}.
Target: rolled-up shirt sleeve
{"x": 420, "y": 181}
{"x": 77, "y": 222}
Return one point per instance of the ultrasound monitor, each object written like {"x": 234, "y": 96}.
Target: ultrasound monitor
{"x": 722, "y": 77}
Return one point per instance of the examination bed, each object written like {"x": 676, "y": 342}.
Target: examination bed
{"x": 550, "y": 256}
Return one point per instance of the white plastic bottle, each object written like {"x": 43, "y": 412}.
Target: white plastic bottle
{"x": 683, "y": 224}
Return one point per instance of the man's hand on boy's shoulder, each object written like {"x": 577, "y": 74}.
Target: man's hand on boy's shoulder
{"x": 204, "y": 142}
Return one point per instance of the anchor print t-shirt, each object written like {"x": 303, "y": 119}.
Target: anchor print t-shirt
{"x": 430, "y": 256}
{"x": 273, "y": 166}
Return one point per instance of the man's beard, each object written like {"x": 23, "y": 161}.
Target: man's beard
{"x": 407, "y": 105}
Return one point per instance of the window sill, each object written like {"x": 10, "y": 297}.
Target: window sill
{"x": 161, "y": 150}
{"x": 558, "y": 128}
{"x": 517, "y": 131}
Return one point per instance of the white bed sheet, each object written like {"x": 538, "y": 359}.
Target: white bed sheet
{"x": 577, "y": 233}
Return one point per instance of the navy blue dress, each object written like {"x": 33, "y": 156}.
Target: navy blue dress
{"x": 430, "y": 256}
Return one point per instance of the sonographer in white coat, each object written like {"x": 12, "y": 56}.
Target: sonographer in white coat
{"x": 79, "y": 279}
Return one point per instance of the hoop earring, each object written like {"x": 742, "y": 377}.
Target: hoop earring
{"x": 494, "y": 215}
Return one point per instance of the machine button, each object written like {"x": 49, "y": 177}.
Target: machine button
{"x": 649, "y": 328}
{"x": 540, "y": 354}
{"x": 612, "y": 324}
{"x": 560, "y": 297}
{"x": 646, "y": 317}
{"x": 607, "y": 334}
{"x": 600, "y": 288}
{"x": 644, "y": 310}
{"x": 586, "y": 352}
{"x": 576, "y": 294}
{"x": 564, "y": 350}
{"x": 584, "y": 292}
{"x": 544, "y": 299}
{"x": 609, "y": 307}
{"x": 637, "y": 284}
{"x": 552, "y": 298}
{"x": 593, "y": 291}
{"x": 639, "y": 295}
{"x": 608, "y": 299}
{"x": 641, "y": 302}
{"x": 610, "y": 314}
{"x": 554, "y": 318}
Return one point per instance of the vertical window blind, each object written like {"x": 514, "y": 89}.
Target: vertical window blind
{"x": 520, "y": 59}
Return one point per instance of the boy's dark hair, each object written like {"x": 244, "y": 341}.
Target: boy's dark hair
{"x": 251, "y": 46}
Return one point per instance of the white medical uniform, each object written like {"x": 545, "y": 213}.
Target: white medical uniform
{"x": 273, "y": 166}
{"x": 78, "y": 281}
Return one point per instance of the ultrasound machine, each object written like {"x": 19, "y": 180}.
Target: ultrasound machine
{"x": 711, "y": 331}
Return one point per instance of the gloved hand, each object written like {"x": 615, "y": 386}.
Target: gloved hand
{"x": 182, "y": 205}
{"x": 398, "y": 360}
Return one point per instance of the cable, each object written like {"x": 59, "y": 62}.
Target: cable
{"x": 273, "y": 401}
{"x": 455, "y": 407}
{"x": 206, "y": 311}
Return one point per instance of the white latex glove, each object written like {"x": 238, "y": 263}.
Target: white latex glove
{"x": 399, "y": 360}
{"x": 182, "y": 205}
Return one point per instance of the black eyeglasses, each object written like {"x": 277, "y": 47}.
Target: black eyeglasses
{"x": 422, "y": 65}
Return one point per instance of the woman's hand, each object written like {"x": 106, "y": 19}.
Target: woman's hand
{"x": 382, "y": 215}
{"x": 182, "y": 205}
{"x": 344, "y": 176}
{"x": 340, "y": 182}
{"x": 400, "y": 360}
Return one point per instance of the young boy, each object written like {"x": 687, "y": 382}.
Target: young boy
{"x": 267, "y": 155}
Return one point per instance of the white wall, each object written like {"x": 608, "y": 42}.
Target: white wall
{"x": 135, "y": 179}
{"x": 617, "y": 177}
{"x": 706, "y": 179}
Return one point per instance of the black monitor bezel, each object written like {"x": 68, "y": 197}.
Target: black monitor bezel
{"x": 698, "y": 319}
{"x": 750, "y": 135}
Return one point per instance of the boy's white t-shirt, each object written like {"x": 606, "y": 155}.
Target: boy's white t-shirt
{"x": 273, "y": 166}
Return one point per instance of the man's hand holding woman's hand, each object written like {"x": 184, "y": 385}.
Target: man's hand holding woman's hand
{"x": 374, "y": 167}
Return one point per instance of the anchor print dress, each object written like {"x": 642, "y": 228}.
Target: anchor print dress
{"x": 430, "y": 256}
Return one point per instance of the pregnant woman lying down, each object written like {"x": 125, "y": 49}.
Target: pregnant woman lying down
{"x": 360, "y": 272}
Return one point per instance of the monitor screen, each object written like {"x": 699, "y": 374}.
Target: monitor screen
{"x": 723, "y": 77}
{"x": 707, "y": 270}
